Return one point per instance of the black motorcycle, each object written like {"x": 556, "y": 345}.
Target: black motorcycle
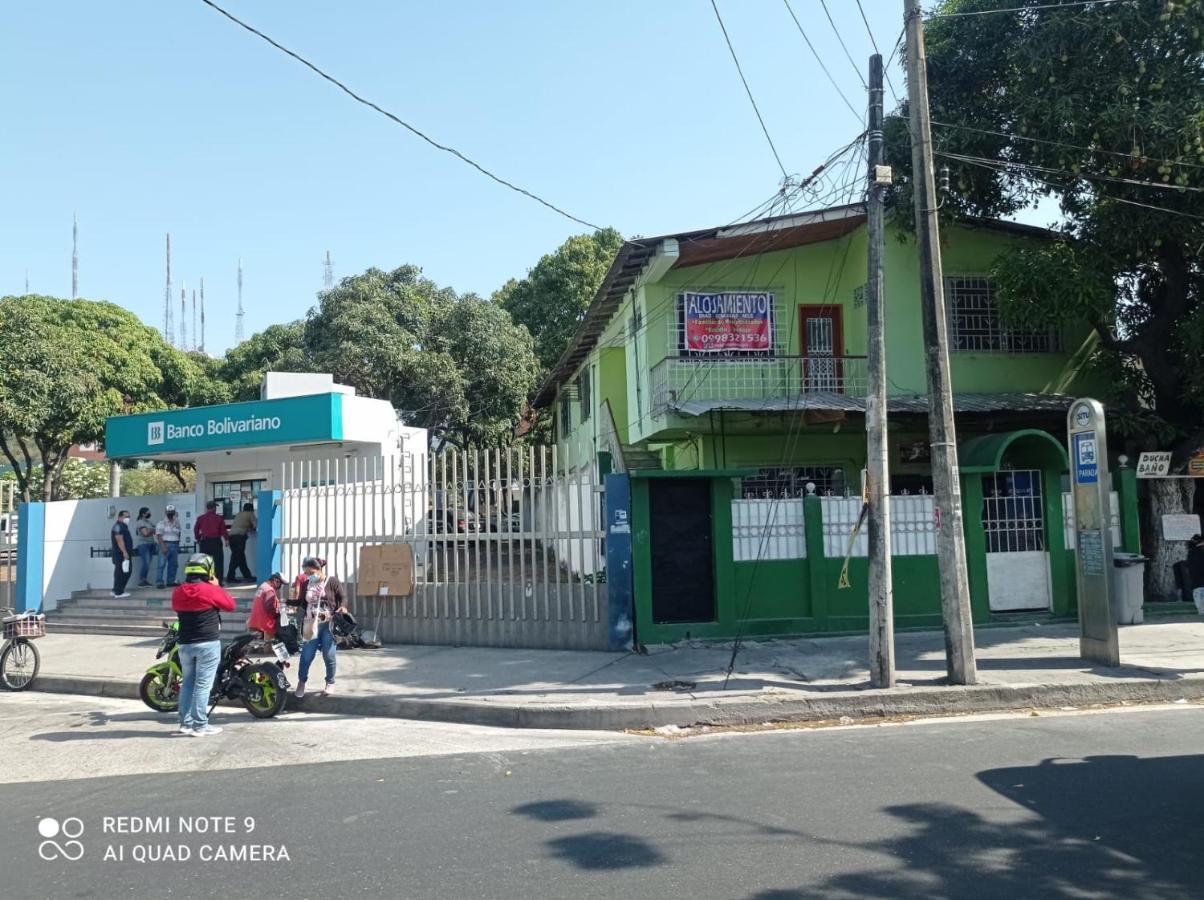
{"x": 261, "y": 687}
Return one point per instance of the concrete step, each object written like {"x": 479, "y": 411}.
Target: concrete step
{"x": 150, "y": 627}
{"x": 123, "y": 629}
{"x": 132, "y": 604}
{"x": 151, "y": 593}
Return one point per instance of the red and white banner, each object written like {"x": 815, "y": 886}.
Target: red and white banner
{"x": 728, "y": 321}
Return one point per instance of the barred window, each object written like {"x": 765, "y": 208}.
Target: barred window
{"x": 792, "y": 482}
{"x": 974, "y": 323}
{"x": 566, "y": 414}
{"x": 584, "y": 392}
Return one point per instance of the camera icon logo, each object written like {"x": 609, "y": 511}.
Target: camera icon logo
{"x": 70, "y": 828}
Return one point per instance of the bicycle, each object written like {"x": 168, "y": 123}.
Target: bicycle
{"x": 19, "y": 659}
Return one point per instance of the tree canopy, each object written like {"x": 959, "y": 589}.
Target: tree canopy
{"x": 1101, "y": 109}
{"x": 551, "y": 300}
{"x": 452, "y": 363}
{"x": 67, "y": 365}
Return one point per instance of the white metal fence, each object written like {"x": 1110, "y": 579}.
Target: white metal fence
{"x": 1069, "y": 530}
{"x": 508, "y": 551}
{"x": 912, "y": 525}
{"x": 8, "y": 543}
{"x": 768, "y": 529}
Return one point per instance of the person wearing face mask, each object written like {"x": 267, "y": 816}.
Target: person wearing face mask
{"x": 321, "y": 596}
{"x": 167, "y": 533}
{"x": 123, "y": 552}
{"x": 146, "y": 543}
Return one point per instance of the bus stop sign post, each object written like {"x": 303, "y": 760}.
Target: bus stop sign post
{"x": 1090, "y": 487}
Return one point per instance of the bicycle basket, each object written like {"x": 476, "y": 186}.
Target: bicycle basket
{"x": 25, "y": 625}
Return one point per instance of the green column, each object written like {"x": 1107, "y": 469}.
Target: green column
{"x": 1124, "y": 480}
{"x": 728, "y": 606}
{"x": 1061, "y": 563}
{"x": 813, "y": 535}
{"x": 976, "y": 547}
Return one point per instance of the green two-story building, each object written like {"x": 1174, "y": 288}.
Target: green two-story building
{"x": 725, "y": 370}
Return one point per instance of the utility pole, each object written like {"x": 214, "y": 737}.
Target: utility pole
{"x": 74, "y": 256}
{"x": 882, "y": 626}
{"x": 942, "y": 435}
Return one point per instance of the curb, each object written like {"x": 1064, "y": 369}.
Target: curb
{"x": 854, "y": 704}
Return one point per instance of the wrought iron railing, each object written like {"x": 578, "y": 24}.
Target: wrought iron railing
{"x": 679, "y": 380}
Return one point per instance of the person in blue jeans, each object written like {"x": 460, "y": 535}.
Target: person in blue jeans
{"x": 321, "y": 596}
{"x": 198, "y": 603}
{"x": 167, "y": 533}
{"x": 146, "y": 543}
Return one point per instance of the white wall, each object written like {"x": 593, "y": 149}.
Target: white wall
{"x": 74, "y": 527}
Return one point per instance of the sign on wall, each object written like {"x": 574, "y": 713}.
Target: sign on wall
{"x": 1155, "y": 464}
{"x": 727, "y": 321}
{"x": 1180, "y": 526}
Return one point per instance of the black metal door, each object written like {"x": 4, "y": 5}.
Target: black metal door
{"x": 683, "y": 571}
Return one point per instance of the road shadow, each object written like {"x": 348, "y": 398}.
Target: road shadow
{"x": 604, "y": 850}
{"x": 1105, "y": 826}
{"x": 556, "y": 810}
{"x": 59, "y": 737}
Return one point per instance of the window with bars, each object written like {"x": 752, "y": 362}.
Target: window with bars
{"x": 566, "y": 414}
{"x": 585, "y": 393}
{"x": 792, "y": 482}
{"x": 680, "y": 344}
{"x": 974, "y": 323}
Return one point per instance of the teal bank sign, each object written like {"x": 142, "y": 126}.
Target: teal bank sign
{"x": 288, "y": 420}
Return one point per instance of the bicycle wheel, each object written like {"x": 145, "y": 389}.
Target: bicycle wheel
{"x": 19, "y": 665}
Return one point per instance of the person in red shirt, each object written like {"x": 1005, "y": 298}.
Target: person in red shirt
{"x": 265, "y": 609}
{"x": 212, "y": 535}
{"x": 199, "y": 603}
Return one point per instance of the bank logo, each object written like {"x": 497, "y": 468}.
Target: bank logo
{"x": 154, "y": 433}
{"x": 70, "y": 849}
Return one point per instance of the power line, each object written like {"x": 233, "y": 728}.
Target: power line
{"x": 406, "y": 125}
{"x": 1158, "y": 185}
{"x": 819, "y": 59}
{"x": 747, "y": 89}
{"x": 1003, "y": 167}
{"x": 1010, "y": 9}
{"x": 1033, "y": 140}
{"x": 874, "y": 44}
{"x": 843, "y": 45}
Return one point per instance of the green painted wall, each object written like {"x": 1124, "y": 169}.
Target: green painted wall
{"x": 612, "y": 388}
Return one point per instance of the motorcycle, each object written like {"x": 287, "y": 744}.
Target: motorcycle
{"x": 261, "y": 687}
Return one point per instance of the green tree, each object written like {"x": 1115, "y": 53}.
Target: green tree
{"x": 454, "y": 364}
{"x": 551, "y": 300}
{"x": 67, "y": 365}
{"x": 1100, "y": 108}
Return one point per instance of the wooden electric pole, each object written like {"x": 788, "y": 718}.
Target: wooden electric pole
{"x": 950, "y": 539}
{"x": 882, "y": 628}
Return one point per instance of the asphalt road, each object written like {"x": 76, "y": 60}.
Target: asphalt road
{"x": 1098, "y": 805}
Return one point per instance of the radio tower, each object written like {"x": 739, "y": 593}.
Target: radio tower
{"x": 241, "y": 314}
{"x": 169, "y": 328}
{"x": 194, "y": 331}
{"x": 74, "y": 256}
{"x": 183, "y": 313}
{"x": 328, "y": 275}
{"x": 202, "y": 315}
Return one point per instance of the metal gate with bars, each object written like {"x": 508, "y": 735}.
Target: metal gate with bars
{"x": 1013, "y": 521}
{"x": 508, "y": 551}
{"x": 8, "y": 543}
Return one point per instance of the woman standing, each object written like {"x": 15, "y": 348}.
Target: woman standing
{"x": 145, "y": 543}
{"x": 322, "y": 596}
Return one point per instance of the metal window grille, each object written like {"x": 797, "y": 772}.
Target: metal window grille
{"x": 566, "y": 414}
{"x": 677, "y": 337}
{"x": 974, "y": 323}
{"x": 792, "y": 482}
{"x": 1013, "y": 514}
{"x": 585, "y": 392}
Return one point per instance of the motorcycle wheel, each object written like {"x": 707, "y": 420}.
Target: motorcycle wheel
{"x": 160, "y": 694}
{"x": 273, "y": 690}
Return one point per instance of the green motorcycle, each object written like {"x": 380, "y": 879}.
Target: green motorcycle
{"x": 261, "y": 687}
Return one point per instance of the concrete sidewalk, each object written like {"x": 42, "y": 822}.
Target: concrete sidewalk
{"x": 782, "y": 680}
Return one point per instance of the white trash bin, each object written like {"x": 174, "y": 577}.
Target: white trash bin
{"x": 1128, "y": 587}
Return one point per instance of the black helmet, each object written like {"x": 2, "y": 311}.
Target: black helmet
{"x": 199, "y": 565}
{"x": 276, "y": 576}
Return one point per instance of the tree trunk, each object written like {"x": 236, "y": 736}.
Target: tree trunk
{"x": 47, "y": 483}
{"x": 1167, "y": 496}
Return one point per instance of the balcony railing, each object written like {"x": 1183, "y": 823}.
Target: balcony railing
{"x": 680, "y": 380}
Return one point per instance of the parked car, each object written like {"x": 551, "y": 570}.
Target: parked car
{"x": 451, "y": 521}
{"x": 504, "y": 522}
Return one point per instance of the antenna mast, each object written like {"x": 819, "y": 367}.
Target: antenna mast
{"x": 183, "y": 321}
{"x": 74, "y": 256}
{"x": 241, "y": 314}
{"x": 202, "y": 315}
{"x": 168, "y": 325}
{"x": 328, "y": 275}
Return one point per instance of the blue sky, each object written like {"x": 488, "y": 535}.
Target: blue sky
{"x": 146, "y": 117}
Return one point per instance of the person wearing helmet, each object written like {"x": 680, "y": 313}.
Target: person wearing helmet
{"x": 265, "y": 608}
{"x": 198, "y": 604}
{"x": 321, "y": 596}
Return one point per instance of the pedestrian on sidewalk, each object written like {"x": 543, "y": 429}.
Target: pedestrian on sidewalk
{"x": 265, "y": 608}
{"x": 198, "y": 603}
{"x": 144, "y": 540}
{"x": 1195, "y": 568}
{"x": 167, "y": 533}
{"x": 122, "y": 551}
{"x": 321, "y": 596}
{"x": 244, "y": 525}
{"x": 211, "y": 535}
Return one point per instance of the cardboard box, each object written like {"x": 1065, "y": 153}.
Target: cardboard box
{"x": 386, "y": 570}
